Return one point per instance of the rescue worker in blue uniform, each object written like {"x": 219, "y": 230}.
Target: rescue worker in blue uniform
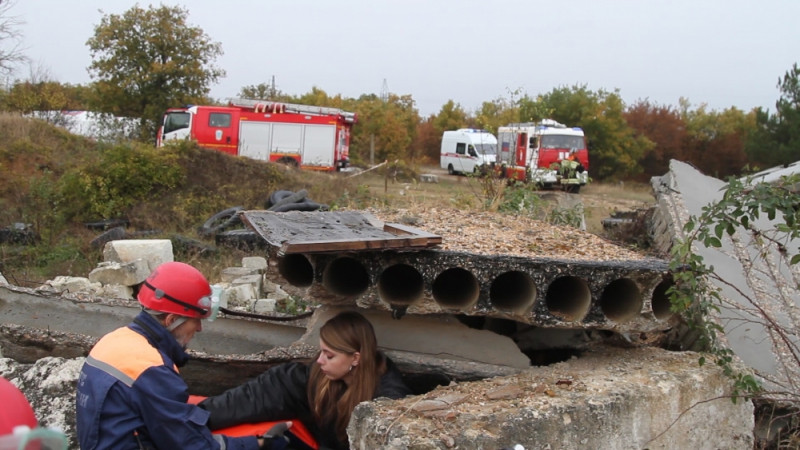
{"x": 130, "y": 392}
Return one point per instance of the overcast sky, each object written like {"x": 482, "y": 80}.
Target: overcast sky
{"x": 722, "y": 53}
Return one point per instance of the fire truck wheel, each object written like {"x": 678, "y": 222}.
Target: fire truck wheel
{"x": 291, "y": 162}
{"x": 221, "y": 221}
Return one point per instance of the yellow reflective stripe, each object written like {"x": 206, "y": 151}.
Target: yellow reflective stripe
{"x": 109, "y": 369}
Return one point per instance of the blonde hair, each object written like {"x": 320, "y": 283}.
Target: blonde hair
{"x": 332, "y": 401}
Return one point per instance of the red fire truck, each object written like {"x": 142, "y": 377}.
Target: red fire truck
{"x": 309, "y": 137}
{"x": 533, "y": 151}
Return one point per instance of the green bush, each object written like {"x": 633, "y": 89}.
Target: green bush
{"x": 123, "y": 176}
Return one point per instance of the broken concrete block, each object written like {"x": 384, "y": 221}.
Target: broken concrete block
{"x": 253, "y": 280}
{"x": 428, "y": 178}
{"x": 268, "y": 286}
{"x": 154, "y": 251}
{"x": 240, "y": 295}
{"x": 255, "y": 262}
{"x": 3, "y": 279}
{"x": 608, "y": 398}
{"x": 231, "y": 273}
{"x": 264, "y": 305}
{"x": 126, "y": 274}
{"x": 278, "y": 294}
{"x": 116, "y": 291}
{"x": 73, "y": 284}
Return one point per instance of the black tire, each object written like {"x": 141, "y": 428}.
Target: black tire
{"x": 295, "y": 197}
{"x": 103, "y": 225}
{"x": 240, "y": 239}
{"x": 113, "y": 234}
{"x": 277, "y": 196}
{"x": 306, "y": 205}
{"x": 450, "y": 169}
{"x": 221, "y": 221}
{"x": 183, "y": 244}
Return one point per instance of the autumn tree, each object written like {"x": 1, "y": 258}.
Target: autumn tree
{"x": 497, "y": 113}
{"x": 614, "y": 147}
{"x": 40, "y": 92}
{"x": 263, "y": 91}
{"x": 428, "y": 141}
{"x": 388, "y": 125}
{"x": 776, "y": 139}
{"x": 450, "y": 117}
{"x": 715, "y": 140}
{"x": 147, "y": 60}
{"x": 10, "y": 39}
{"x": 664, "y": 127}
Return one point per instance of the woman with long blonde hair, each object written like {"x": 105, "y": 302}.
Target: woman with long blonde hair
{"x": 348, "y": 370}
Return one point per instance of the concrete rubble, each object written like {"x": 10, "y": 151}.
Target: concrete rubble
{"x": 610, "y": 399}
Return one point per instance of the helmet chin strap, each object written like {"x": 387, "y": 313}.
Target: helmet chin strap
{"x": 177, "y": 322}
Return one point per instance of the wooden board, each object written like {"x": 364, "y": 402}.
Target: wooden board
{"x": 334, "y": 231}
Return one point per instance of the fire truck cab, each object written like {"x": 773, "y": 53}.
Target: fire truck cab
{"x": 532, "y": 151}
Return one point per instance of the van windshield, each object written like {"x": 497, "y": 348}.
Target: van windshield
{"x": 562, "y": 141}
{"x": 176, "y": 121}
{"x": 486, "y": 149}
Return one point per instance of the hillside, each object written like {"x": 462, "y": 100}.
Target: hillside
{"x": 56, "y": 183}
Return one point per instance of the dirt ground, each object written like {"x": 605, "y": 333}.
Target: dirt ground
{"x": 463, "y": 193}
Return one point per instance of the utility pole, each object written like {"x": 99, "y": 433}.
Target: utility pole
{"x": 384, "y": 91}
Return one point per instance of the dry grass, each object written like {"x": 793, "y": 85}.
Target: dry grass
{"x": 600, "y": 200}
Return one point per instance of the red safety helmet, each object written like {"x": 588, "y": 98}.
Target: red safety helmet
{"x": 177, "y": 288}
{"x": 16, "y": 410}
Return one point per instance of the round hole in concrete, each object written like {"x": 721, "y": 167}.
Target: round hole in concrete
{"x": 621, "y": 300}
{"x": 296, "y": 269}
{"x": 512, "y": 291}
{"x": 568, "y": 298}
{"x": 345, "y": 276}
{"x": 456, "y": 288}
{"x": 400, "y": 284}
{"x": 660, "y": 301}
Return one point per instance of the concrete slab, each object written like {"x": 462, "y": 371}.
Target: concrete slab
{"x": 435, "y": 335}
{"x": 23, "y": 307}
{"x": 747, "y": 282}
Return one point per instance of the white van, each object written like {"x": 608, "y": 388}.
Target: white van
{"x": 467, "y": 150}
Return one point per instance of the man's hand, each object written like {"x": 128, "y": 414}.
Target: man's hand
{"x": 274, "y": 438}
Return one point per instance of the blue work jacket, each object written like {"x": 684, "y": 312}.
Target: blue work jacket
{"x": 131, "y": 395}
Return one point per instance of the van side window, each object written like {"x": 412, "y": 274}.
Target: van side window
{"x": 461, "y": 148}
{"x": 472, "y": 151}
{"x": 219, "y": 120}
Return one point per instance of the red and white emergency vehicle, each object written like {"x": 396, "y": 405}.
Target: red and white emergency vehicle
{"x": 309, "y": 137}
{"x": 528, "y": 151}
